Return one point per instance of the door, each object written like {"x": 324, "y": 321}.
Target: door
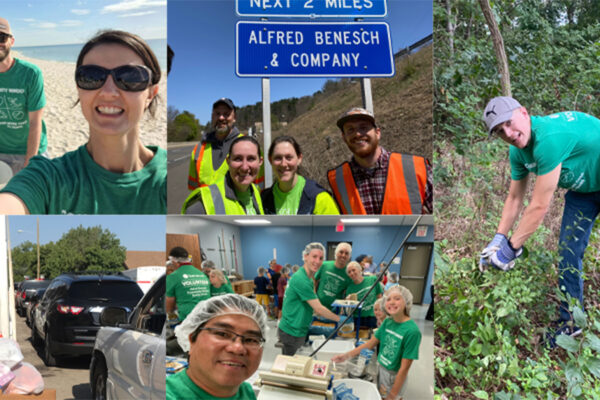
{"x": 189, "y": 242}
{"x": 414, "y": 267}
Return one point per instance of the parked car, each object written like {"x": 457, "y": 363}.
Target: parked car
{"x": 128, "y": 361}
{"x": 21, "y": 293}
{"x": 32, "y": 299}
{"x": 68, "y": 316}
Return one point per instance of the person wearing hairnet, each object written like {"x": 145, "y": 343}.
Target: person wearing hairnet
{"x": 219, "y": 363}
{"x": 400, "y": 339}
{"x": 301, "y": 301}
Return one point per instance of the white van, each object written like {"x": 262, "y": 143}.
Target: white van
{"x": 145, "y": 276}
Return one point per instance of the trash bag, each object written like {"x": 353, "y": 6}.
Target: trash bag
{"x": 10, "y": 353}
{"x": 27, "y": 380}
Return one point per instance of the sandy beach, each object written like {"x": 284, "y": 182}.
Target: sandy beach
{"x": 66, "y": 127}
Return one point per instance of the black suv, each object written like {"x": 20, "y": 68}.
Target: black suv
{"x": 68, "y": 316}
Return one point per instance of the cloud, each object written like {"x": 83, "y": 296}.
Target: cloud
{"x": 28, "y": 19}
{"x": 46, "y": 25}
{"x": 68, "y": 23}
{"x": 139, "y": 14}
{"x": 130, "y": 5}
{"x": 80, "y": 11}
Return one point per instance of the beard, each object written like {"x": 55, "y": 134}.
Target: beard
{"x": 4, "y": 53}
{"x": 365, "y": 150}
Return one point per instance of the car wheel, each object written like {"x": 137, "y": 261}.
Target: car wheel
{"x": 35, "y": 338}
{"x": 99, "y": 381}
{"x": 49, "y": 359}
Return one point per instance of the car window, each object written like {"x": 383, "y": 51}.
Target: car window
{"x": 109, "y": 290}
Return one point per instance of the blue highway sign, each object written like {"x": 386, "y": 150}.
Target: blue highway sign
{"x": 313, "y": 49}
{"x": 311, "y": 8}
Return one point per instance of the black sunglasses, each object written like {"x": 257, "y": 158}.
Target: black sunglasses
{"x": 4, "y": 37}
{"x": 132, "y": 78}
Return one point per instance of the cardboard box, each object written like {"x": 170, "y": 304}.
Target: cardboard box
{"x": 48, "y": 394}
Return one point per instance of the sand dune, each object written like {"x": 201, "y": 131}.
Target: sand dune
{"x": 66, "y": 127}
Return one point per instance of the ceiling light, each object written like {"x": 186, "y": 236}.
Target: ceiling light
{"x": 253, "y": 221}
{"x": 360, "y": 220}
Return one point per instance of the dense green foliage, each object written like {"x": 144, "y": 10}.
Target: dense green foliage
{"x": 80, "y": 249}
{"x": 489, "y": 326}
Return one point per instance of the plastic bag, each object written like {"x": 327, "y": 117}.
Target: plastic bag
{"x": 27, "y": 381}
{"x": 10, "y": 353}
{"x": 6, "y": 376}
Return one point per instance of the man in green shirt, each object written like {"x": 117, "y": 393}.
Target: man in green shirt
{"x": 186, "y": 286}
{"x": 22, "y": 101}
{"x": 331, "y": 278}
{"x": 562, "y": 150}
{"x": 219, "y": 363}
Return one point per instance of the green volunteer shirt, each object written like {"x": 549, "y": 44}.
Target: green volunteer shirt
{"x": 571, "y": 138}
{"x": 189, "y": 286}
{"x": 21, "y": 92}
{"x": 223, "y": 289}
{"x": 332, "y": 283}
{"x": 245, "y": 199}
{"x": 75, "y": 184}
{"x": 181, "y": 387}
{"x": 296, "y": 314}
{"x": 397, "y": 341}
{"x": 361, "y": 289}
{"x": 287, "y": 203}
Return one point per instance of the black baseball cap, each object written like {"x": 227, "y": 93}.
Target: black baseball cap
{"x": 226, "y": 101}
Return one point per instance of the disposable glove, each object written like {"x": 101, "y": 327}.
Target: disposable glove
{"x": 504, "y": 258}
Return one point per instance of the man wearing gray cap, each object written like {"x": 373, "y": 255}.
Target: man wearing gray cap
{"x": 562, "y": 150}
{"x": 377, "y": 181}
{"x": 207, "y": 164}
{"x": 22, "y": 101}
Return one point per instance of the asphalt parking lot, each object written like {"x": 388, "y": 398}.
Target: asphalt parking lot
{"x": 71, "y": 380}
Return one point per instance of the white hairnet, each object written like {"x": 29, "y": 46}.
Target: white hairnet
{"x": 227, "y": 304}
{"x": 404, "y": 292}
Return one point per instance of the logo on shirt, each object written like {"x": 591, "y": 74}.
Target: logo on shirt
{"x": 530, "y": 166}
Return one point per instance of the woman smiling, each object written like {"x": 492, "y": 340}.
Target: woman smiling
{"x": 117, "y": 77}
{"x": 292, "y": 194}
{"x": 235, "y": 194}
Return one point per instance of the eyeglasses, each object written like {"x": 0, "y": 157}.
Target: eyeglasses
{"x": 225, "y": 335}
{"x": 131, "y": 78}
{"x": 4, "y": 37}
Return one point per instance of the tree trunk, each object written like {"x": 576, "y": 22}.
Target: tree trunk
{"x": 498, "y": 47}
{"x": 450, "y": 27}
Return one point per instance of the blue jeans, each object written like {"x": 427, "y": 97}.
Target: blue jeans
{"x": 581, "y": 210}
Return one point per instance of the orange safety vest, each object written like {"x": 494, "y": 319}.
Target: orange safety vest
{"x": 405, "y": 186}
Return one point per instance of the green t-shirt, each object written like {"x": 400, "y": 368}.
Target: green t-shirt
{"x": 223, "y": 289}
{"x": 397, "y": 341}
{"x": 245, "y": 199}
{"x": 571, "y": 138}
{"x": 287, "y": 203}
{"x": 181, "y": 387}
{"x": 361, "y": 289}
{"x": 75, "y": 184}
{"x": 189, "y": 286}
{"x": 21, "y": 92}
{"x": 296, "y": 314}
{"x": 332, "y": 283}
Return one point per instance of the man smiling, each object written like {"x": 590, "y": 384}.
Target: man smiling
{"x": 377, "y": 181}
{"x": 562, "y": 150}
{"x": 219, "y": 363}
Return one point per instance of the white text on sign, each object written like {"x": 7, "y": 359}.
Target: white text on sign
{"x": 320, "y": 38}
{"x": 310, "y": 4}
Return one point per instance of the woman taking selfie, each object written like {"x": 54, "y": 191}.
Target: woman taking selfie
{"x": 235, "y": 194}
{"x": 292, "y": 194}
{"x": 117, "y": 77}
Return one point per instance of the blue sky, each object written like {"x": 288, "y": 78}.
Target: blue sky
{"x": 51, "y": 22}
{"x": 202, "y": 35}
{"x": 136, "y": 232}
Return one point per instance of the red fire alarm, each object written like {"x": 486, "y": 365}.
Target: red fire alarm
{"x": 339, "y": 227}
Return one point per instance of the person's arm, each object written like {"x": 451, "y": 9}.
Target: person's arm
{"x": 11, "y": 204}
{"x": 170, "y": 304}
{"x": 400, "y": 379}
{"x": 512, "y": 205}
{"x": 369, "y": 344}
{"x": 543, "y": 190}
{"x": 322, "y": 310}
{"x": 35, "y": 134}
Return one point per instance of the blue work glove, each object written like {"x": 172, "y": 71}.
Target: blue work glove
{"x": 498, "y": 241}
{"x": 504, "y": 258}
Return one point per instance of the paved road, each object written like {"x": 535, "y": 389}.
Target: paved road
{"x": 71, "y": 380}
{"x": 178, "y": 158}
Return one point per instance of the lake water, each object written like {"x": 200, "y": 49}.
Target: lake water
{"x": 69, "y": 52}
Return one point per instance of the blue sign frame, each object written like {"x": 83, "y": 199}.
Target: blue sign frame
{"x": 311, "y": 8}
{"x": 313, "y": 49}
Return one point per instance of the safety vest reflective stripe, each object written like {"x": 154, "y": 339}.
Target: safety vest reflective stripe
{"x": 217, "y": 199}
{"x": 349, "y": 202}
